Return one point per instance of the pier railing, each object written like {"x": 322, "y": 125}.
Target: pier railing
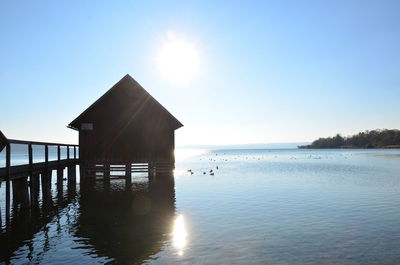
{"x": 10, "y": 171}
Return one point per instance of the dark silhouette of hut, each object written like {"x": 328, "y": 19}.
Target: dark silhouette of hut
{"x": 126, "y": 125}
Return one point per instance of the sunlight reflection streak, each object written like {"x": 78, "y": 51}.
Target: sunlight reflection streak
{"x": 179, "y": 234}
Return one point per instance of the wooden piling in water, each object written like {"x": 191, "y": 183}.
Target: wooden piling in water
{"x": 71, "y": 175}
{"x": 60, "y": 178}
{"x": 8, "y": 203}
{"x": 15, "y": 186}
{"x": 24, "y": 188}
{"x": 106, "y": 177}
{"x": 8, "y": 177}
{"x": 20, "y": 192}
{"x": 106, "y": 172}
{"x": 128, "y": 175}
{"x": 46, "y": 186}
{"x": 34, "y": 189}
{"x": 151, "y": 172}
{"x": 43, "y": 181}
{"x": 82, "y": 171}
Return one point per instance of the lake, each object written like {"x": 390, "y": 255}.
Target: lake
{"x": 283, "y": 206}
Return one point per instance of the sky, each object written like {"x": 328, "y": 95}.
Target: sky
{"x": 265, "y": 71}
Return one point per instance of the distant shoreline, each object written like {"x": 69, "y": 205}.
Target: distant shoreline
{"x": 375, "y": 139}
{"x": 351, "y": 147}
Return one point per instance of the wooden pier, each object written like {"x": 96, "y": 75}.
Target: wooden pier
{"x": 12, "y": 172}
{"x": 24, "y": 181}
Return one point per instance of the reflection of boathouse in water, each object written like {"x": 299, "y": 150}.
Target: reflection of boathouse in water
{"x": 132, "y": 232}
{"x": 127, "y": 126}
{"x": 92, "y": 224}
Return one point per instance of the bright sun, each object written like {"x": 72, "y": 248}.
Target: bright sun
{"x": 178, "y": 60}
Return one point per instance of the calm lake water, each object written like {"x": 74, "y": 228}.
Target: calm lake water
{"x": 259, "y": 207}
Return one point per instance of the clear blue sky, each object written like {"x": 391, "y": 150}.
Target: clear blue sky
{"x": 270, "y": 71}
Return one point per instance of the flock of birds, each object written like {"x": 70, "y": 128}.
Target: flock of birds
{"x": 211, "y": 172}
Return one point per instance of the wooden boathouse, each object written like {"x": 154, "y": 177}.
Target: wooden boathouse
{"x": 126, "y": 127}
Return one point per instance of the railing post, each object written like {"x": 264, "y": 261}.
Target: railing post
{"x": 60, "y": 170}
{"x": 8, "y": 161}
{"x": 24, "y": 183}
{"x": 58, "y": 153}
{"x": 74, "y": 152}
{"x": 46, "y": 154}
{"x": 30, "y": 154}
{"x": 68, "y": 152}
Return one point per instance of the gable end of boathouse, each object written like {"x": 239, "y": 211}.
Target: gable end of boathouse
{"x": 126, "y": 125}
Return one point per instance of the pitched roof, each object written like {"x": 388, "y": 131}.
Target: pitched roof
{"x": 126, "y": 82}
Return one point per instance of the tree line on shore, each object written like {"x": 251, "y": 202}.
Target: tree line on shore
{"x": 369, "y": 139}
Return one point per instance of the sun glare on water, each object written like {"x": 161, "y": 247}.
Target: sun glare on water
{"x": 178, "y": 60}
{"x": 179, "y": 234}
